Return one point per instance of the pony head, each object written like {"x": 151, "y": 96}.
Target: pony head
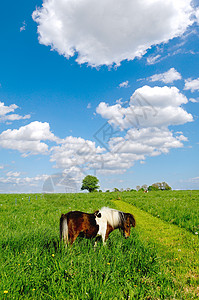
{"x": 129, "y": 221}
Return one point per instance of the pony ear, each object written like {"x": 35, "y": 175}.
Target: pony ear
{"x": 97, "y": 214}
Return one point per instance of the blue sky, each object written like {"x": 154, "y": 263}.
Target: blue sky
{"x": 105, "y": 88}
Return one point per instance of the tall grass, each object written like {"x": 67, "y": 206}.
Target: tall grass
{"x": 177, "y": 207}
{"x": 35, "y": 266}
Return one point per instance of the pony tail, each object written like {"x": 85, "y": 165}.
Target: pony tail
{"x": 63, "y": 228}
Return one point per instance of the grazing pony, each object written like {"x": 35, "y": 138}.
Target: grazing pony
{"x": 101, "y": 223}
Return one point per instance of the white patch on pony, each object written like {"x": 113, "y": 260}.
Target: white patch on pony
{"x": 108, "y": 215}
{"x": 102, "y": 227}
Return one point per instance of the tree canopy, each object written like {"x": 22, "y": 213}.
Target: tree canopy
{"x": 90, "y": 183}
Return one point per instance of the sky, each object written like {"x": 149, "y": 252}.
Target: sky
{"x": 107, "y": 88}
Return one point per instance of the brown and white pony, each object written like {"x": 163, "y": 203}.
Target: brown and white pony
{"x": 101, "y": 223}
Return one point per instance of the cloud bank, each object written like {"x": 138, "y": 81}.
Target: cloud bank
{"x": 107, "y": 32}
{"x": 142, "y": 126}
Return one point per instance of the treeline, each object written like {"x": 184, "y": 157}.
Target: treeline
{"x": 158, "y": 186}
{"x": 90, "y": 183}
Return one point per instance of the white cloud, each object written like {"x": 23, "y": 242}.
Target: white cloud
{"x": 147, "y": 141}
{"x": 109, "y": 31}
{"x": 144, "y": 123}
{"x": 27, "y": 139}
{"x": 148, "y": 107}
{"x": 193, "y": 100}
{"x": 14, "y": 179}
{"x": 144, "y": 127}
{"x": 197, "y": 15}
{"x": 157, "y": 108}
{"x": 89, "y": 105}
{"x": 74, "y": 152}
{"x": 23, "y": 27}
{"x": 13, "y": 174}
{"x": 167, "y": 77}
{"x": 15, "y": 117}
{"x": 151, "y": 60}
{"x": 192, "y": 85}
{"x": 6, "y": 110}
{"x": 124, "y": 84}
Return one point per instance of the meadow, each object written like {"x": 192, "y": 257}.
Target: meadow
{"x": 177, "y": 207}
{"x": 34, "y": 265}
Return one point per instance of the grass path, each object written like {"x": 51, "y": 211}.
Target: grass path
{"x": 177, "y": 248}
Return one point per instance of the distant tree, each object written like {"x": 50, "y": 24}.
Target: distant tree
{"x": 152, "y": 188}
{"x": 163, "y": 186}
{"x": 132, "y": 190}
{"x": 138, "y": 187}
{"x": 116, "y": 190}
{"x": 145, "y": 187}
{"x": 100, "y": 191}
{"x": 107, "y": 191}
{"x": 90, "y": 183}
{"x": 141, "y": 190}
{"x": 156, "y": 185}
{"x": 128, "y": 189}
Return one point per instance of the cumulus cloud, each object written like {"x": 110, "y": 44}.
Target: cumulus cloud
{"x": 167, "y": 77}
{"x": 82, "y": 155}
{"x": 28, "y": 139}
{"x": 144, "y": 127}
{"x": 148, "y": 107}
{"x": 153, "y": 108}
{"x": 6, "y": 113}
{"x": 192, "y": 85}
{"x": 147, "y": 141}
{"x": 74, "y": 152}
{"x": 107, "y": 32}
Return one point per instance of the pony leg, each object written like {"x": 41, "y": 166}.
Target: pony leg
{"x": 73, "y": 237}
{"x": 109, "y": 229}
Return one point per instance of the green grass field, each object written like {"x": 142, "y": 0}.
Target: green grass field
{"x": 158, "y": 261}
{"x": 177, "y": 207}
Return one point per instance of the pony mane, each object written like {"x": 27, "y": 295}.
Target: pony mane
{"x": 110, "y": 215}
